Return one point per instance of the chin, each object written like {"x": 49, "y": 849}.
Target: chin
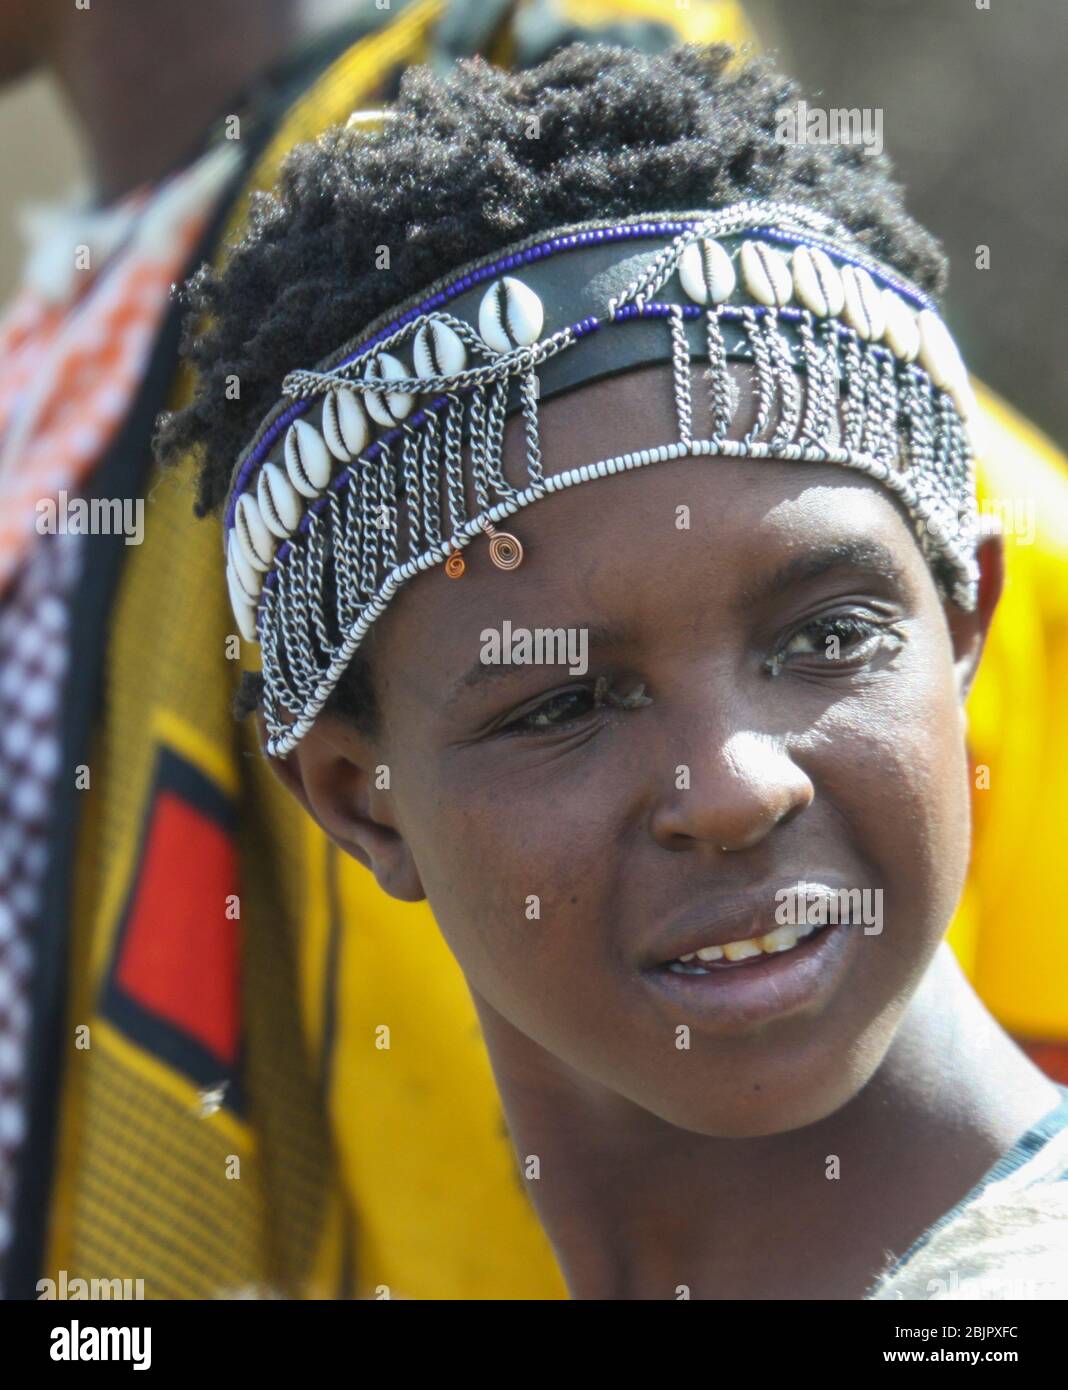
{"x": 775, "y": 1102}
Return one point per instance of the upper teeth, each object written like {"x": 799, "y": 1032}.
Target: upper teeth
{"x": 781, "y": 939}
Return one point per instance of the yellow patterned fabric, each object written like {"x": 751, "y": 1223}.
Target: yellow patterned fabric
{"x": 337, "y": 1166}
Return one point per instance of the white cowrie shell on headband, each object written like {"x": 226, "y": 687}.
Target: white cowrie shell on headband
{"x": 249, "y": 580}
{"x": 388, "y": 407}
{"x": 438, "y": 350}
{"x": 706, "y": 272}
{"x": 345, "y": 426}
{"x": 864, "y": 310}
{"x": 256, "y": 542}
{"x": 279, "y": 504}
{"x": 510, "y": 315}
{"x": 817, "y": 283}
{"x": 307, "y": 459}
{"x": 244, "y": 611}
{"x": 902, "y": 334}
{"x": 938, "y": 352}
{"x": 767, "y": 276}
{"x": 964, "y": 400}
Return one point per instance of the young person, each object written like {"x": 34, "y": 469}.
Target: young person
{"x": 119, "y": 764}
{"x": 611, "y": 549}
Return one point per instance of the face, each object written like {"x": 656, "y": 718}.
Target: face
{"x": 773, "y": 695}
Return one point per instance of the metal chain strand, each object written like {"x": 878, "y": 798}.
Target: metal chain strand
{"x": 890, "y": 408}
{"x": 813, "y": 407}
{"x": 529, "y": 389}
{"x": 344, "y": 559}
{"x": 454, "y": 462}
{"x": 305, "y": 384}
{"x": 718, "y": 374}
{"x": 432, "y": 479}
{"x": 765, "y": 377}
{"x": 854, "y": 402}
{"x": 789, "y": 394}
{"x": 495, "y": 441}
{"x": 315, "y": 549}
{"x": 477, "y": 417}
{"x": 680, "y": 370}
{"x": 872, "y": 439}
{"x": 292, "y": 601}
{"x": 368, "y": 529}
{"x": 832, "y": 384}
{"x": 388, "y": 517}
{"x": 410, "y": 453}
{"x": 925, "y": 425}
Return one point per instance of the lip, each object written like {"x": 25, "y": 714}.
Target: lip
{"x": 735, "y": 917}
{"x": 801, "y": 980}
{"x": 727, "y": 1001}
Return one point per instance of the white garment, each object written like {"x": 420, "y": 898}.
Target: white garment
{"x": 1009, "y": 1242}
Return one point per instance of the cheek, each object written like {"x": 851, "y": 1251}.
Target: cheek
{"x": 893, "y": 761}
{"x": 518, "y": 872}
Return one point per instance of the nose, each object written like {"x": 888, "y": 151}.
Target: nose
{"x": 732, "y": 796}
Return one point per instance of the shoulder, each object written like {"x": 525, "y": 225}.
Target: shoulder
{"x": 1010, "y": 1242}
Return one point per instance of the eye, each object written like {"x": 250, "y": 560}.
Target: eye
{"x": 559, "y": 710}
{"x": 574, "y": 705}
{"x": 838, "y": 640}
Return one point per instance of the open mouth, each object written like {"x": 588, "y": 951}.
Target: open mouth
{"x": 710, "y": 960}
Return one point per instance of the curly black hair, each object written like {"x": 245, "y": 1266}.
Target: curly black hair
{"x": 475, "y": 160}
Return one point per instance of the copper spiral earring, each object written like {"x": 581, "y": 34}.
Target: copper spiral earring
{"x": 505, "y": 549}
{"x": 454, "y": 565}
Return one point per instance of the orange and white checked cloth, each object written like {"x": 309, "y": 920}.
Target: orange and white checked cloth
{"x": 75, "y": 342}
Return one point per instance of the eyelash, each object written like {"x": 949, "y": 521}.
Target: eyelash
{"x": 602, "y": 693}
{"x": 842, "y": 625}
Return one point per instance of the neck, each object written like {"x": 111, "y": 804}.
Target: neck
{"x": 637, "y": 1208}
{"x": 145, "y": 80}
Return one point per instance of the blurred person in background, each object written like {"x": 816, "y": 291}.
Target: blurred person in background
{"x": 190, "y": 1090}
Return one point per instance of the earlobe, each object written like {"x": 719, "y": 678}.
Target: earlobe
{"x": 331, "y": 774}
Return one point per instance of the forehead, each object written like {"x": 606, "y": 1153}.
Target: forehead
{"x": 680, "y": 534}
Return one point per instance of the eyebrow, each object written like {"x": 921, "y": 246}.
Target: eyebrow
{"x": 865, "y": 556}
{"x": 480, "y": 674}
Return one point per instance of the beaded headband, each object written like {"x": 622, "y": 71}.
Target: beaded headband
{"x": 386, "y": 459}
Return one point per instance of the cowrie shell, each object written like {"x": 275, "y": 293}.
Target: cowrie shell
{"x": 706, "y": 272}
{"x": 964, "y": 397}
{"x": 438, "y": 350}
{"x": 388, "y": 407}
{"x": 766, "y": 274}
{"x": 510, "y": 315}
{"x": 345, "y": 426}
{"x": 278, "y": 501}
{"x": 817, "y": 283}
{"x": 244, "y": 611}
{"x": 256, "y": 542}
{"x": 938, "y": 352}
{"x": 864, "y": 310}
{"x": 307, "y": 459}
{"x": 901, "y": 333}
{"x": 249, "y": 580}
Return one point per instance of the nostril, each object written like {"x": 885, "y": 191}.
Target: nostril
{"x": 793, "y": 812}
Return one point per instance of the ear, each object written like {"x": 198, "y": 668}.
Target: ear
{"x": 968, "y": 630}
{"x": 333, "y": 774}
